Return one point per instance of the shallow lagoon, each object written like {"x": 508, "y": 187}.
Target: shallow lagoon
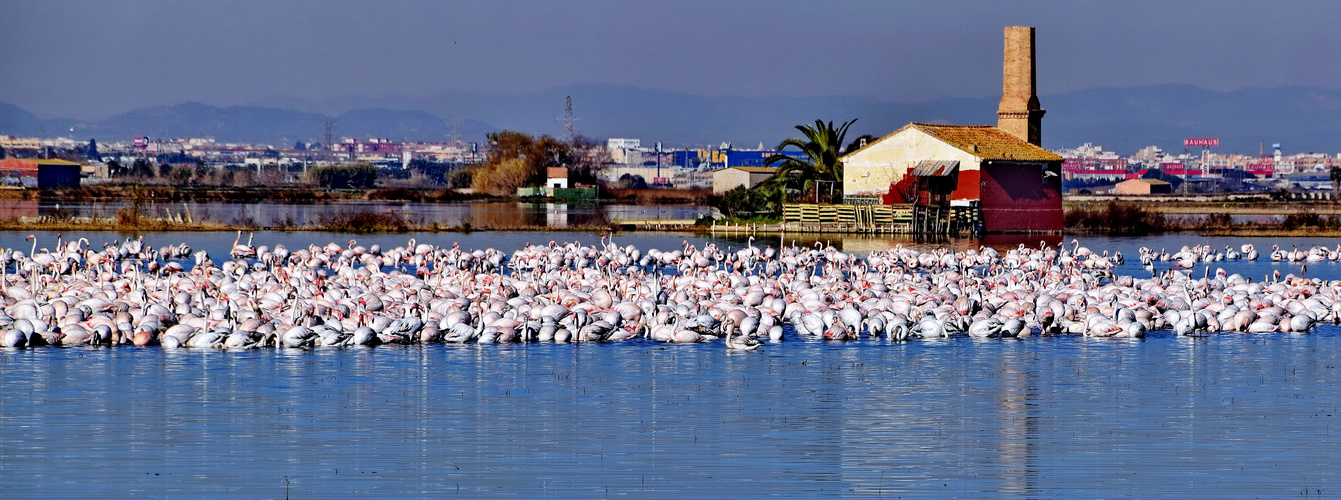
{"x": 1228, "y": 415}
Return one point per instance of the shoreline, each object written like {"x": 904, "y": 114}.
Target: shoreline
{"x": 306, "y": 195}
{"x": 1205, "y": 216}
{"x": 1217, "y": 208}
{"x": 166, "y": 225}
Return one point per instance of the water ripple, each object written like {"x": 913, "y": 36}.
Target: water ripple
{"x": 1224, "y": 416}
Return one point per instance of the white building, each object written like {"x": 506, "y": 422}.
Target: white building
{"x": 1016, "y": 184}
{"x": 625, "y": 151}
{"x": 727, "y": 179}
{"x": 556, "y": 178}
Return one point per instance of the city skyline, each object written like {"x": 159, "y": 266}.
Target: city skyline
{"x": 124, "y": 55}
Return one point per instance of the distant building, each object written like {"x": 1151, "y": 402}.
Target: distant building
{"x": 1180, "y": 169}
{"x": 1091, "y": 163}
{"x": 95, "y": 170}
{"x": 374, "y": 149}
{"x": 556, "y": 178}
{"x": 1143, "y": 186}
{"x": 57, "y": 174}
{"x": 43, "y": 174}
{"x": 623, "y": 143}
{"x": 692, "y": 179}
{"x": 730, "y": 178}
{"x": 1149, "y": 156}
{"x": 1264, "y": 169}
{"x": 712, "y": 159}
{"x": 625, "y": 151}
{"x": 1015, "y": 183}
{"x": 20, "y": 143}
{"x": 653, "y": 176}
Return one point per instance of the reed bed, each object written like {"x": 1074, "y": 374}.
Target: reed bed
{"x": 1115, "y": 218}
{"x": 659, "y": 196}
{"x": 1129, "y": 219}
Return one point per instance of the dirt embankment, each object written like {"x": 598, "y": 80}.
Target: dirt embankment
{"x": 1207, "y": 205}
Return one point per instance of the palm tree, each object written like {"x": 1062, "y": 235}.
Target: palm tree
{"x": 818, "y": 163}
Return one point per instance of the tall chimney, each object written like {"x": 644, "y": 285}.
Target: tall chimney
{"x": 1019, "y": 113}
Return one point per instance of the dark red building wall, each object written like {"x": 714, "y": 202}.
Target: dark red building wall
{"x": 968, "y": 187}
{"x": 1017, "y": 197}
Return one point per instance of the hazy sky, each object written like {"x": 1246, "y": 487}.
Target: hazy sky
{"x": 89, "y": 59}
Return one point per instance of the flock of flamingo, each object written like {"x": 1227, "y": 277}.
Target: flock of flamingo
{"x": 336, "y": 296}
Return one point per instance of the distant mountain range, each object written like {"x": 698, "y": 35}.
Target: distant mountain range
{"x": 1120, "y": 119}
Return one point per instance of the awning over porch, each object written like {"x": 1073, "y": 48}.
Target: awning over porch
{"x": 935, "y": 168}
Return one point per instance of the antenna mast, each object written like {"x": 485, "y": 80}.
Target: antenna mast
{"x": 330, "y": 131}
{"x": 568, "y": 118}
{"x": 454, "y": 133}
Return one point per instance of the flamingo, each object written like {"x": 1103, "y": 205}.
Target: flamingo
{"x": 240, "y": 251}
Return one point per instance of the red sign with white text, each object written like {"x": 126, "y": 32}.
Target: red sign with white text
{"x": 1201, "y": 142}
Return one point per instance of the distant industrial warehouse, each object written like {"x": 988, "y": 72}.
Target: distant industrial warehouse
{"x": 1087, "y": 168}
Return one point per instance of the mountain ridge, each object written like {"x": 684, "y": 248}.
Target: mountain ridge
{"x": 1122, "y": 119}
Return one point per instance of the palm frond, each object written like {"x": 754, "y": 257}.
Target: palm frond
{"x": 818, "y": 158}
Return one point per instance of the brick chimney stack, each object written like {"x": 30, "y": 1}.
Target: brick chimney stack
{"x": 1019, "y": 113}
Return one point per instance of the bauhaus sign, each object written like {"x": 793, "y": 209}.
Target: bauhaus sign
{"x": 1201, "y": 142}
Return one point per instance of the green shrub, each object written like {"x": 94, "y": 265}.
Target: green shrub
{"x": 358, "y": 176}
{"x": 741, "y": 202}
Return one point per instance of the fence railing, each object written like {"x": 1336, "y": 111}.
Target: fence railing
{"x": 900, "y": 218}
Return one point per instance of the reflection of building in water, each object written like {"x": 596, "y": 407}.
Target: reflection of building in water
{"x": 13, "y": 209}
{"x": 1019, "y": 426}
{"x": 556, "y": 214}
{"x": 504, "y": 215}
{"x": 865, "y": 244}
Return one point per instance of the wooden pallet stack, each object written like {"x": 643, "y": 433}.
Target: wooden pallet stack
{"x": 873, "y": 219}
{"x": 966, "y": 219}
{"x": 901, "y": 216}
{"x": 847, "y": 218}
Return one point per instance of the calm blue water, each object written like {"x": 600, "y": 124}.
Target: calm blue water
{"x": 1224, "y": 416}
{"x": 1229, "y": 415}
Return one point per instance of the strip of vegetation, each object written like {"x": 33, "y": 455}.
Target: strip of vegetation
{"x": 288, "y": 195}
{"x": 121, "y": 223}
{"x": 133, "y": 219}
{"x": 1116, "y": 219}
{"x": 365, "y": 222}
{"x": 353, "y": 223}
{"x": 745, "y": 203}
{"x": 1296, "y": 224}
{"x": 650, "y": 196}
{"x": 420, "y": 195}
